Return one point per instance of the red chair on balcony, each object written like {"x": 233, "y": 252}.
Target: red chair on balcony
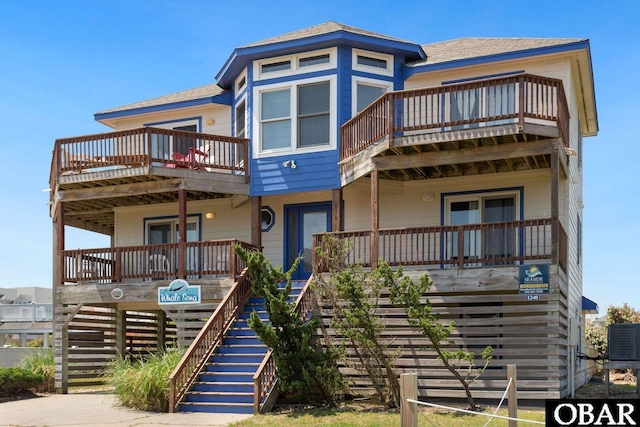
{"x": 194, "y": 160}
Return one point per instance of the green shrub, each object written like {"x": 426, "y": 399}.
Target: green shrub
{"x": 42, "y": 363}
{"x": 144, "y": 384}
{"x": 15, "y": 381}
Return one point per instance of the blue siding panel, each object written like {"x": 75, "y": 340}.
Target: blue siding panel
{"x": 314, "y": 171}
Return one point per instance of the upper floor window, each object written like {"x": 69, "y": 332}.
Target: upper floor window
{"x": 295, "y": 64}
{"x": 296, "y": 116}
{"x": 241, "y": 119}
{"x": 366, "y": 91}
{"x": 372, "y": 62}
{"x": 275, "y": 66}
{"x": 314, "y": 60}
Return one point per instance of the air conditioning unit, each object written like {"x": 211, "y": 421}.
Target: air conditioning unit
{"x": 624, "y": 341}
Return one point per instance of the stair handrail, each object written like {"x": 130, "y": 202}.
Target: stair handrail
{"x": 207, "y": 340}
{"x": 265, "y": 377}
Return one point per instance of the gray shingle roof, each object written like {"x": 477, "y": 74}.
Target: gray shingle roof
{"x": 316, "y": 30}
{"x": 471, "y": 47}
{"x": 185, "y": 95}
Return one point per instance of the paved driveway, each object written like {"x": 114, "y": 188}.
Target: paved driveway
{"x": 97, "y": 409}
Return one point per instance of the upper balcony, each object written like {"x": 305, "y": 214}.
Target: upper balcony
{"x": 487, "y": 126}
{"x": 93, "y": 174}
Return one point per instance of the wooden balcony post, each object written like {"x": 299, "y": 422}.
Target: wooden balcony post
{"x": 460, "y": 246}
{"x": 336, "y": 210}
{"x": 182, "y": 232}
{"x": 390, "y": 118}
{"x": 233, "y": 260}
{"x": 521, "y": 104}
{"x": 117, "y": 265}
{"x": 375, "y": 218}
{"x": 58, "y": 246}
{"x": 555, "y": 210}
{"x": 148, "y": 133}
{"x": 256, "y": 221}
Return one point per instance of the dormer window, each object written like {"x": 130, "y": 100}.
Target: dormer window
{"x": 275, "y": 66}
{"x": 372, "y": 62}
{"x": 307, "y": 62}
{"x": 241, "y": 83}
{"x": 314, "y": 60}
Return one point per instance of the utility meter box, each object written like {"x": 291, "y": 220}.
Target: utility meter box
{"x": 624, "y": 341}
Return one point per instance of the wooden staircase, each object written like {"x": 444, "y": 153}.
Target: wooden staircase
{"x": 225, "y": 383}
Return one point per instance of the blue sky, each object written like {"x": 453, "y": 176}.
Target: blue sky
{"x": 62, "y": 61}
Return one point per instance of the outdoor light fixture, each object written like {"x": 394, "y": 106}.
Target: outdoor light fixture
{"x": 570, "y": 151}
{"x": 210, "y": 215}
{"x": 289, "y": 163}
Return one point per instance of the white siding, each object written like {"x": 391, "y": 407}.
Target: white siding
{"x": 411, "y": 204}
{"x": 228, "y": 223}
{"x": 219, "y": 114}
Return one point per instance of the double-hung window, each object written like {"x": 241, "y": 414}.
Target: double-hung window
{"x": 275, "y": 110}
{"x": 297, "y": 116}
{"x": 313, "y": 114}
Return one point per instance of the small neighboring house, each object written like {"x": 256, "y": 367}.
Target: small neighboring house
{"x": 462, "y": 158}
{"x": 26, "y": 312}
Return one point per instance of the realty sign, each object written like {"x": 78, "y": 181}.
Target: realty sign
{"x": 179, "y": 292}
{"x": 534, "y": 279}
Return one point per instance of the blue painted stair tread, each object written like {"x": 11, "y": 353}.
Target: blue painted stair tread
{"x": 225, "y": 384}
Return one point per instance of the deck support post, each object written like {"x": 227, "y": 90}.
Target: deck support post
{"x": 121, "y": 333}
{"x": 375, "y": 217}
{"x": 336, "y": 209}
{"x": 162, "y": 330}
{"x": 60, "y": 339}
{"x": 182, "y": 232}
{"x": 555, "y": 212}
{"x": 256, "y": 221}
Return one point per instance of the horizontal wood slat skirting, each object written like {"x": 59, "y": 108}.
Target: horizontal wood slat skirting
{"x": 488, "y": 311}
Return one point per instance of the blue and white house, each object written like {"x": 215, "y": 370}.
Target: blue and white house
{"x": 462, "y": 158}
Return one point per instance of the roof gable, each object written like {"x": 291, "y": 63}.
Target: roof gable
{"x": 477, "y": 47}
{"x": 321, "y": 29}
{"x": 207, "y": 94}
{"x": 328, "y": 34}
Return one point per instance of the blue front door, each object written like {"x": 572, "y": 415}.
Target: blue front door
{"x": 301, "y": 223}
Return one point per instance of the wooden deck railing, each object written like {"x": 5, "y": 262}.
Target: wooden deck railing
{"x": 150, "y": 146}
{"x": 207, "y": 340}
{"x": 517, "y": 99}
{"x": 265, "y": 377}
{"x": 155, "y": 262}
{"x": 459, "y": 246}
